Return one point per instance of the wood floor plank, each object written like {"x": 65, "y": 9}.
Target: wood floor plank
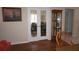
{"x": 43, "y": 45}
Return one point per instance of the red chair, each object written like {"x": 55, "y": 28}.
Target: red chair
{"x": 4, "y": 45}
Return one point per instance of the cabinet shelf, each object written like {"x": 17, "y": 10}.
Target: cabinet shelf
{"x": 56, "y": 22}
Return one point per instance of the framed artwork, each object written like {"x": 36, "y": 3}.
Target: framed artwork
{"x": 11, "y": 14}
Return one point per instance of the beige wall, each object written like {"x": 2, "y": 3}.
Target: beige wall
{"x": 76, "y": 22}
{"x": 76, "y": 26}
{"x": 15, "y": 32}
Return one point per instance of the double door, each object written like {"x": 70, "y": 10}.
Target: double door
{"x": 37, "y": 24}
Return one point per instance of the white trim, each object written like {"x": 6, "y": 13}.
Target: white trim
{"x": 38, "y": 37}
{"x": 25, "y": 42}
{"x": 19, "y": 42}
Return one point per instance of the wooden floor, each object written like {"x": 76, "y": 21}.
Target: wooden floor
{"x": 43, "y": 45}
{"x": 69, "y": 48}
{"x": 47, "y": 45}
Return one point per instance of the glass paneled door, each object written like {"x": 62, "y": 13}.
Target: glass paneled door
{"x": 37, "y": 25}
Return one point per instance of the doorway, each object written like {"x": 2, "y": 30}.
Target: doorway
{"x": 69, "y": 20}
{"x": 37, "y": 24}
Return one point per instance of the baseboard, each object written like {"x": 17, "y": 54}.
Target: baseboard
{"x": 25, "y": 42}
{"x": 20, "y": 42}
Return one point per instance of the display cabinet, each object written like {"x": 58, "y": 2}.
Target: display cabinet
{"x": 56, "y": 22}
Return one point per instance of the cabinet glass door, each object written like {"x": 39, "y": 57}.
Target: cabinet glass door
{"x": 56, "y": 22}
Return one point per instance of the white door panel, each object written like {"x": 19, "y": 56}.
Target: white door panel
{"x": 40, "y": 20}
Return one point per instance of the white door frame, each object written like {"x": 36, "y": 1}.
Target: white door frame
{"x": 48, "y": 27}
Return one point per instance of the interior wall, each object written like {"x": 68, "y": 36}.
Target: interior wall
{"x": 76, "y": 27}
{"x": 15, "y": 32}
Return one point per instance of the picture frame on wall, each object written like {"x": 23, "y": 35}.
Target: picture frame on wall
{"x": 11, "y": 14}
